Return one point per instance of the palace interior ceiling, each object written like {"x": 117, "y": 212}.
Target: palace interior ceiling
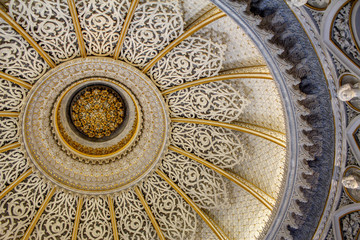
{"x": 178, "y": 119}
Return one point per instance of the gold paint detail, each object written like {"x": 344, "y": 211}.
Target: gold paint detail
{"x": 216, "y": 78}
{"x": 77, "y": 218}
{"x": 264, "y": 198}
{"x": 38, "y": 214}
{"x": 77, "y": 27}
{"x": 9, "y": 147}
{"x": 232, "y": 127}
{"x": 125, "y": 28}
{"x": 15, "y": 183}
{"x": 97, "y": 113}
{"x": 113, "y": 219}
{"x": 251, "y": 69}
{"x": 27, "y": 37}
{"x": 214, "y": 227}
{"x": 15, "y": 80}
{"x": 149, "y": 213}
{"x": 8, "y": 114}
{"x": 209, "y": 19}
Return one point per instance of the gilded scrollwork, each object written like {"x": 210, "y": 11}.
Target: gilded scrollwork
{"x": 8, "y": 130}
{"x": 12, "y": 164}
{"x": 212, "y": 101}
{"x": 217, "y": 145}
{"x": 12, "y": 96}
{"x": 152, "y": 28}
{"x": 202, "y": 184}
{"x": 175, "y": 217}
{"x": 47, "y": 23}
{"x": 101, "y": 23}
{"x": 192, "y": 59}
{"x": 132, "y": 220}
{"x": 17, "y": 57}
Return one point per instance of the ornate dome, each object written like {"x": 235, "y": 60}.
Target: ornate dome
{"x": 168, "y": 119}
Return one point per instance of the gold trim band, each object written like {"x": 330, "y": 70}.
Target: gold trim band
{"x": 217, "y": 78}
{"x": 125, "y": 28}
{"x": 27, "y": 37}
{"x": 15, "y": 183}
{"x": 15, "y": 80}
{"x": 38, "y": 214}
{"x": 9, "y": 147}
{"x": 8, "y": 114}
{"x": 77, "y": 218}
{"x": 212, "y": 17}
{"x": 265, "y": 199}
{"x": 77, "y": 27}
{"x": 113, "y": 219}
{"x": 232, "y": 127}
{"x": 214, "y": 227}
{"x": 149, "y": 213}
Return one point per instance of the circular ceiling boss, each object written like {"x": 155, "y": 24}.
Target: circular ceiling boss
{"x": 94, "y": 125}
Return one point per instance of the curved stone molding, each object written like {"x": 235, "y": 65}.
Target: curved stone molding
{"x": 283, "y": 42}
{"x": 341, "y": 222}
{"x": 353, "y": 137}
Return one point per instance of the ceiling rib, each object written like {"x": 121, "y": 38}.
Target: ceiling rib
{"x": 149, "y": 213}
{"x": 214, "y": 227}
{"x": 15, "y": 183}
{"x": 27, "y": 37}
{"x": 8, "y": 114}
{"x": 38, "y": 214}
{"x": 125, "y": 28}
{"x": 217, "y": 78}
{"x": 215, "y": 14}
{"x": 264, "y": 198}
{"x": 113, "y": 219}
{"x": 9, "y": 146}
{"x": 232, "y": 127}
{"x": 77, "y": 27}
{"x": 15, "y": 80}
{"x": 77, "y": 218}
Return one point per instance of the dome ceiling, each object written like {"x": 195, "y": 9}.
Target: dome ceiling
{"x": 136, "y": 120}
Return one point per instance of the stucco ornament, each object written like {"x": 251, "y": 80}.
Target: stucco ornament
{"x": 351, "y": 182}
{"x": 348, "y": 92}
{"x": 297, "y": 3}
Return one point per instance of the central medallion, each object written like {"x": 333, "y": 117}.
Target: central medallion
{"x": 94, "y": 125}
{"x": 97, "y": 111}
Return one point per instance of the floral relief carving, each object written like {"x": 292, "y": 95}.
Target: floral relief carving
{"x": 8, "y": 130}
{"x": 12, "y": 96}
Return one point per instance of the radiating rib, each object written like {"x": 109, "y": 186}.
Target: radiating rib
{"x": 15, "y": 183}
{"x": 267, "y": 200}
{"x": 113, "y": 219}
{"x": 216, "y": 229}
{"x": 258, "y": 126}
{"x": 8, "y": 114}
{"x": 149, "y": 213}
{"x": 15, "y": 80}
{"x": 76, "y": 23}
{"x": 125, "y": 28}
{"x": 232, "y": 127}
{"x": 9, "y": 147}
{"x": 217, "y": 78}
{"x": 77, "y": 218}
{"x": 27, "y": 37}
{"x": 38, "y": 214}
{"x": 209, "y": 19}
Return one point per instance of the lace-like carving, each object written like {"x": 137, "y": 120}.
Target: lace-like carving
{"x": 12, "y": 96}
{"x": 95, "y": 222}
{"x": 219, "y": 146}
{"x": 101, "y": 22}
{"x": 192, "y": 59}
{"x": 50, "y": 24}
{"x": 132, "y": 220}
{"x": 12, "y": 164}
{"x": 213, "y": 101}
{"x": 203, "y": 185}
{"x": 57, "y": 220}
{"x": 153, "y": 27}
{"x": 17, "y": 57}
{"x": 8, "y": 130}
{"x": 19, "y": 207}
{"x": 175, "y": 217}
